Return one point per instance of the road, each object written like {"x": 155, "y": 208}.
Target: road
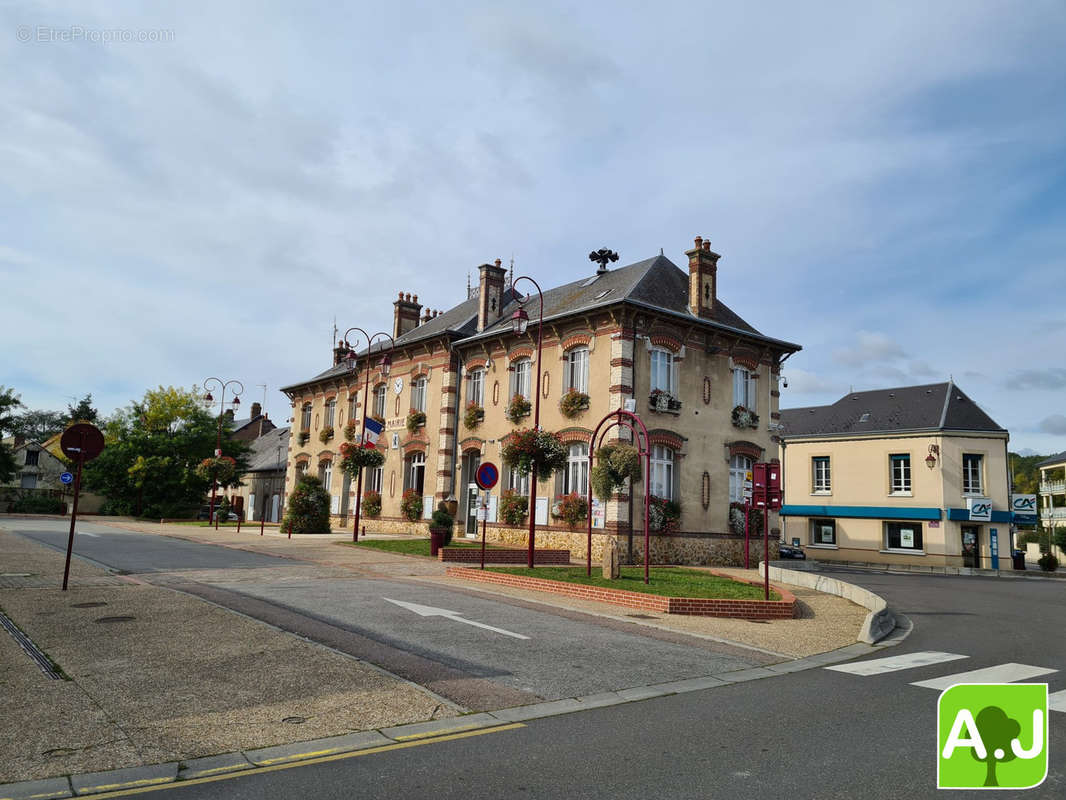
{"x": 820, "y": 733}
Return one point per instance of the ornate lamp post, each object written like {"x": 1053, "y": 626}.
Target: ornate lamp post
{"x": 386, "y": 364}
{"x": 209, "y": 402}
{"x": 519, "y": 324}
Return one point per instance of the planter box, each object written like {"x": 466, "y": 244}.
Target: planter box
{"x": 472, "y": 555}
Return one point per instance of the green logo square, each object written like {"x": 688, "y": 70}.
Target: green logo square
{"x": 992, "y": 736}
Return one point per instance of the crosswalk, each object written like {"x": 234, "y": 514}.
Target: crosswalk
{"x": 1000, "y": 673}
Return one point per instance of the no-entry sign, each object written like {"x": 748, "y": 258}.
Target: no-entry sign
{"x": 487, "y": 475}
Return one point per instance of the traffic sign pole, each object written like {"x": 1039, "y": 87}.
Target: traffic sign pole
{"x": 81, "y": 442}
{"x": 73, "y": 517}
{"x": 747, "y": 529}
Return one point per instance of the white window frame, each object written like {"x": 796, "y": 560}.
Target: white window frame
{"x": 415, "y": 463}
{"x": 662, "y": 374}
{"x": 577, "y": 370}
{"x": 745, "y": 389}
{"x": 331, "y": 411}
{"x": 576, "y": 477}
{"x": 351, "y": 406}
{"x": 325, "y": 472}
{"x": 521, "y": 375}
{"x": 518, "y": 482}
{"x": 380, "y": 400}
{"x": 475, "y": 386}
{"x": 739, "y": 467}
{"x": 305, "y": 417}
{"x": 972, "y": 467}
{"x": 899, "y": 468}
{"x": 918, "y": 526}
{"x": 662, "y": 472}
{"x": 821, "y": 475}
{"x": 374, "y": 479}
{"x": 418, "y": 394}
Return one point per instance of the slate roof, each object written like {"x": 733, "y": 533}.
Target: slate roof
{"x": 1058, "y": 458}
{"x": 930, "y": 407}
{"x": 264, "y": 454}
{"x": 654, "y": 283}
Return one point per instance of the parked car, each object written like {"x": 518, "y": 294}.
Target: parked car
{"x": 205, "y": 514}
{"x": 791, "y": 551}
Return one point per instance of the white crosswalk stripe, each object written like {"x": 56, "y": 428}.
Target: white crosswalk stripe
{"x": 1001, "y": 673}
{"x": 877, "y": 666}
{"x": 1056, "y": 701}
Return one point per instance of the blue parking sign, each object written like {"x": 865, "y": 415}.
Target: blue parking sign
{"x": 66, "y": 477}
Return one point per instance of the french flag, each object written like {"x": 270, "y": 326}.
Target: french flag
{"x": 373, "y": 431}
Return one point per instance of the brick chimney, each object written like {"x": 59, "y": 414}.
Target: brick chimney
{"x": 340, "y": 352}
{"x": 405, "y": 316}
{"x": 490, "y": 294}
{"x": 702, "y": 278}
{"x": 257, "y": 409}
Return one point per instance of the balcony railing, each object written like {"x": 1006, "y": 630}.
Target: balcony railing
{"x": 1053, "y": 513}
{"x": 1053, "y": 487}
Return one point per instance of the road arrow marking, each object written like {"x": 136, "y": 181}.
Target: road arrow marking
{"x": 430, "y": 611}
{"x": 94, "y": 535}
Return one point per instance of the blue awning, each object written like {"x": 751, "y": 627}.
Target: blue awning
{"x": 963, "y": 515}
{"x": 862, "y": 512}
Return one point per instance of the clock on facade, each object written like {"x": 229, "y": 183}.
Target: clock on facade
{"x": 397, "y": 385}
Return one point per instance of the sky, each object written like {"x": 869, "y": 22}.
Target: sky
{"x": 191, "y": 190}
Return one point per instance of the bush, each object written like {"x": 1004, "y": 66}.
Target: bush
{"x": 1048, "y": 562}
{"x": 514, "y": 508}
{"x": 351, "y": 430}
{"x": 573, "y": 403}
{"x": 473, "y": 416}
{"x": 415, "y": 420}
{"x": 614, "y": 464}
{"x": 663, "y": 515}
{"x": 371, "y": 506}
{"x": 38, "y": 504}
{"x": 411, "y": 505}
{"x": 325, "y": 434}
{"x": 736, "y": 520}
{"x": 308, "y": 507}
{"x": 443, "y": 520}
{"x": 571, "y": 508}
{"x": 518, "y": 408}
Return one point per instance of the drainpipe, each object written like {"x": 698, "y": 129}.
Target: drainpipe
{"x": 636, "y": 441}
{"x": 458, "y": 417}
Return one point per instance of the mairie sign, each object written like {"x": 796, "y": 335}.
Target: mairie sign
{"x": 1023, "y": 507}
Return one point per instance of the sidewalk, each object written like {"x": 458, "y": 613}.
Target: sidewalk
{"x": 171, "y": 678}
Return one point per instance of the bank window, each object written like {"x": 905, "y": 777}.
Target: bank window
{"x": 475, "y": 387}
{"x": 418, "y": 394}
{"x": 971, "y": 474}
{"x": 305, "y": 417}
{"x": 903, "y": 536}
{"x": 379, "y": 402}
{"x": 739, "y": 466}
{"x": 745, "y": 392}
{"x": 522, "y": 369}
{"x": 824, "y": 531}
{"x": 577, "y": 370}
{"x": 901, "y": 473}
{"x": 662, "y": 371}
{"x": 662, "y": 472}
{"x": 331, "y": 411}
{"x": 820, "y": 469}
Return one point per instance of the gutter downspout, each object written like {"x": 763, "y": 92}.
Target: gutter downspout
{"x": 458, "y": 405}
{"x": 629, "y": 538}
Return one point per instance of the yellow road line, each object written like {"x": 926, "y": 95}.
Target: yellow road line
{"x": 318, "y": 760}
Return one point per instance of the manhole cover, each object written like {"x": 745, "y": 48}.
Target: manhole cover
{"x": 114, "y": 619}
{"x": 87, "y": 605}
{"x": 295, "y": 720}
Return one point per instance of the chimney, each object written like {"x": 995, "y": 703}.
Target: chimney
{"x": 340, "y": 352}
{"x": 405, "y": 316}
{"x": 257, "y": 409}
{"x": 490, "y": 294}
{"x": 702, "y": 278}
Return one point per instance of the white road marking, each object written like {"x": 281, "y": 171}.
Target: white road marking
{"x": 1056, "y": 701}
{"x": 1001, "y": 673}
{"x": 892, "y": 664}
{"x": 430, "y": 611}
{"x": 85, "y": 533}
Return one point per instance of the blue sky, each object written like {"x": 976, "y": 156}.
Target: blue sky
{"x": 886, "y": 182}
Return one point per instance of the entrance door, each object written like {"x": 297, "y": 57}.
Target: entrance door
{"x": 471, "y": 461}
{"x": 274, "y": 508}
{"x": 970, "y": 550}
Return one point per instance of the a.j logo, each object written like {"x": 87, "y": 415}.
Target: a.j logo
{"x": 992, "y": 736}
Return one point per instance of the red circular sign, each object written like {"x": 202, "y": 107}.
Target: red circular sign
{"x": 82, "y": 441}
{"x": 487, "y": 475}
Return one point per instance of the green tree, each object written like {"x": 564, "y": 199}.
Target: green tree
{"x": 153, "y": 447}
{"x": 308, "y": 508}
{"x": 996, "y": 730}
{"x": 38, "y": 426}
{"x": 82, "y": 412}
{"x": 9, "y": 401}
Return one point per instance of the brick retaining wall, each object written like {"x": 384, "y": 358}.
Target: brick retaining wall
{"x": 472, "y": 555}
{"x": 785, "y": 608}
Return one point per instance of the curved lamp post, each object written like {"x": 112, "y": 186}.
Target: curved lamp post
{"x": 386, "y": 364}
{"x": 519, "y": 324}
{"x": 209, "y": 402}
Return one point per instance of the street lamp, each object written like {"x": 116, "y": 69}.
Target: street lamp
{"x": 209, "y": 401}
{"x": 519, "y": 325}
{"x": 385, "y": 366}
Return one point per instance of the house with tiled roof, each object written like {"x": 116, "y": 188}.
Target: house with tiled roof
{"x": 649, "y": 336}
{"x": 910, "y": 475}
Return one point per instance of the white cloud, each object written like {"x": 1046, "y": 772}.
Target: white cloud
{"x": 869, "y": 348}
{"x": 1055, "y": 425}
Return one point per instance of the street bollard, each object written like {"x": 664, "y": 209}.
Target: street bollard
{"x": 290, "y": 529}
{"x": 238, "y": 524}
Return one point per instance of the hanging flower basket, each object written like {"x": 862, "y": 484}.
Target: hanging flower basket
{"x": 660, "y": 400}
{"x": 473, "y": 416}
{"x": 615, "y": 463}
{"x": 411, "y": 505}
{"x": 325, "y": 434}
{"x": 573, "y": 403}
{"x": 663, "y": 515}
{"x": 514, "y": 507}
{"x": 351, "y": 430}
{"x": 571, "y": 508}
{"x": 518, "y": 408}
{"x": 354, "y": 458}
{"x": 745, "y": 418}
{"x": 415, "y": 420}
{"x": 736, "y": 520}
{"x": 371, "y": 506}
{"x": 223, "y": 469}
{"x": 303, "y": 437}
{"x": 525, "y": 447}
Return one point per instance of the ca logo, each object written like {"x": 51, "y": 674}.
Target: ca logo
{"x": 992, "y": 735}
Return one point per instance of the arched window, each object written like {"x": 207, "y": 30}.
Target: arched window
{"x": 301, "y": 469}
{"x": 475, "y": 387}
{"x": 416, "y": 472}
{"x": 577, "y": 370}
{"x": 662, "y": 472}
{"x": 662, "y": 371}
{"x": 576, "y": 477}
{"x": 738, "y": 473}
{"x": 331, "y": 411}
{"x": 418, "y": 394}
{"x": 522, "y": 368}
{"x": 379, "y": 401}
{"x": 325, "y": 474}
{"x": 305, "y": 417}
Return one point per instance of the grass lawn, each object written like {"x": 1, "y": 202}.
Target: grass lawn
{"x": 411, "y": 547}
{"x": 666, "y": 581}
